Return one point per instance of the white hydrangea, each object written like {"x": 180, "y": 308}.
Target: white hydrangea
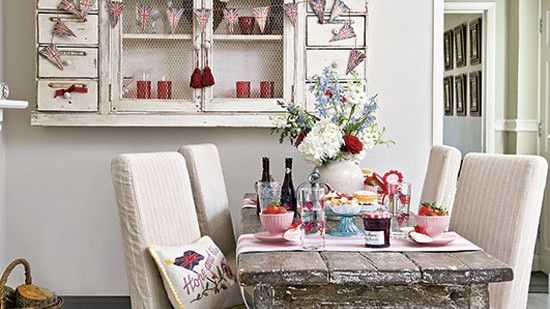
{"x": 280, "y": 121}
{"x": 322, "y": 143}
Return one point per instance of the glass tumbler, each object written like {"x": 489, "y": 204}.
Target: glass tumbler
{"x": 268, "y": 192}
{"x": 399, "y": 205}
{"x": 312, "y": 214}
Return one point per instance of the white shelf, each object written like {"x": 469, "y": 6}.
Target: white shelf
{"x": 155, "y": 36}
{"x": 5, "y": 104}
{"x": 244, "y": 37}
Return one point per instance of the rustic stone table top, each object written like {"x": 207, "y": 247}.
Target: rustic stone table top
{"x": 364, "y": 268}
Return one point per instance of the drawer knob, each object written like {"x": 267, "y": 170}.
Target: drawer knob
{"x": 67, "y": 95}
{"x": 66, "y": 62}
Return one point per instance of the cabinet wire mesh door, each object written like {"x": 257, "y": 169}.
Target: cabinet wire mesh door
{"x": 249, "y": 60}
{"x": 157, "y": 56}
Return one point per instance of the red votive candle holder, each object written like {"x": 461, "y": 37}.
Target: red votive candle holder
{"x": 246, "y": 24}
{"x": 143, "y": 89}
{"x": 243, "y": 89}
{"x": 266, "y": 89}
{"x": 164, "y": 89}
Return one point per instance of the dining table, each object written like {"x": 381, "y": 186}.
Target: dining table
{"x": 358, "y": 279}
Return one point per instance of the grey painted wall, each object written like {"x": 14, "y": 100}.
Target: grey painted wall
{"x": 60, "y": 205}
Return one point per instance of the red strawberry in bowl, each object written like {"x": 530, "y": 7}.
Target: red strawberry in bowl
{"x": 432, "y": 220}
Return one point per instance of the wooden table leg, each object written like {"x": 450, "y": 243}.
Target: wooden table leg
{"x": 263, "y": 297}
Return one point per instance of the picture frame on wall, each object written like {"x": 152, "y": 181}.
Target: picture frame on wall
{"x": 475, "y": 93}
{"x": 475, "y": 42}
{"x": 460, "y": 45}
{"x": 448, "y": 50}
{"x": 448, "y": 95}
{"x": 460, "y": 93}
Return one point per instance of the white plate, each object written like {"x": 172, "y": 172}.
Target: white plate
{"x": 422, "y": 239}
{"x": 268, "y": 237}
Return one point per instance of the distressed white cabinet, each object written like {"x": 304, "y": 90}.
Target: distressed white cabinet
{"x": 111, "y": 63}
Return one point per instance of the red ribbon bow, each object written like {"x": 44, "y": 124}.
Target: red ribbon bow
{"x": 73, "y": 88}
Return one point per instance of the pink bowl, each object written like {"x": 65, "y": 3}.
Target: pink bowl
{"x": 277, "y": 223}
{"x": 434, "y": 226}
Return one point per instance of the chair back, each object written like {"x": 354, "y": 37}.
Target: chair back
{"x": 156, "y": 207}
{"x": 497, "y": 206}
{"x": 441, "y": 176}
{"x": 207, "y": 181}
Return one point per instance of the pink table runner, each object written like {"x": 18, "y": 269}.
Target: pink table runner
{"x": 249, "y": 243}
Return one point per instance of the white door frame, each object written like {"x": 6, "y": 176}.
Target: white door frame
{"x": 488, "y": 10}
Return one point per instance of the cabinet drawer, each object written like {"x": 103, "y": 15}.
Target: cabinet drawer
{"x": 53, "y": 4}
{"x": 77, "y": 63}
{"x": 86, "y": 31}
{"x": 355, "y": 6}
{"x": 317, "y": 60}
{"x": 78, "y": 102}
{"x": 321, "y": 34}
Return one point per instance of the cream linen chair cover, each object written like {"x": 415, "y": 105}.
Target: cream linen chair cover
{"x": 441, "y": 176}
{"x": 205, "y": 170}
{"x": 497, "y": 206}
{"x": 155, "y": 205}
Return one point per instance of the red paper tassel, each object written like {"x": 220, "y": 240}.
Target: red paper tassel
{"x": 196, "y": 79}
{"x": 207, "y": 77}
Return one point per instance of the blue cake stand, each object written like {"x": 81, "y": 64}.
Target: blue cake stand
{"x": 346, "y": 227}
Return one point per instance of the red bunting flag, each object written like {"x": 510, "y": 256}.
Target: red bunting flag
{"x": 69, "y": 6}
{"x": 339, "y": 9}
{"x": 53, "y": 55}
{"x": 143, "y": 15}
{"x": 202, "y": 15}
{"x": 318, "y": 7}
{"x": 291, "y": 11}
{"x": 86, "y": 7}
{"x": 231, "y": 17}
{"x": 346, "y": 32}
{"x": 115, "y": 10}
{"x": 355, "y": 58}
{"x": 174, "y": 16}
{"x": 61, "y": 29}
{"x": 261, "y": 14}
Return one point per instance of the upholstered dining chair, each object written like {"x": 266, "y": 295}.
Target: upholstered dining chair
{"x": 441, "y": 176}
{"x": 497, "y": 206}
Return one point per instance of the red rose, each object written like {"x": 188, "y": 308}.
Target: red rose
{"x": 344, "y": 100}
{"x": 353, "y": 144}
{"x": 299, "y": 139}
{"x": 328, "y": 93}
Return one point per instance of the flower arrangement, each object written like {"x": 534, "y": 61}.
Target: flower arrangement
{"x": 344, "y": 125}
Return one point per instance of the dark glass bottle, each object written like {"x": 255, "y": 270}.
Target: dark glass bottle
{"x": 288, "y": 192}
{"x": 266, "y": 176}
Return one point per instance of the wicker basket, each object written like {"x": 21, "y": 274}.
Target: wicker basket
{"x": 28, "y": 280}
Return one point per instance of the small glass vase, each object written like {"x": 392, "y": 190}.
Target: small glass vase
{"x": 312, "y": 214}
{"x": 343, "y": 175}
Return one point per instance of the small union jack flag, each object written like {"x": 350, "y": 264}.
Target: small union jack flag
{"x": 61, "y": 29}
{"x": 86, "y": 7}
{"x": 291, "y": 11}
{"x": 346, "y": 32}
{"x": 174, "y": 16}
{"x": 115, "y": 10}
{"x": 355, "y": 58}
{"x": 69, "y": 6}
{"x": 203, "y": 15}
{"x": 189, "y": 260}
{"x": 231, "y": 17}
{"x": 339, "y": 9}
{"x": 318, "y": 7}
{"x": 261, "y": 14}
{"x": 53, "y": 55}
{"x": 143, "y": 15}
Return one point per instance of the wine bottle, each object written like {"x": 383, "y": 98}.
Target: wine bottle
{"x": 266, "y": 176}
{"x": 288, "y": 192}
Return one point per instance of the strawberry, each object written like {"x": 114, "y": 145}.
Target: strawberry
{"x": 431, "y": 209}
{"x": 281, "y": 210}
{"x": 425, "y": 211}
{"x": 420, "y": 229}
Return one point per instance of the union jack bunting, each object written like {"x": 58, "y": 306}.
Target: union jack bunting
{"x": 346, "y": 32}
{"x": 203, "y": 15}
{"x": 339, "y": 9}
{"x": 61, "y": 29}
{"x": 174, "y": 16}
{"x": 261, "y": 13}
{"x": 291, "y": 11}
{"x": 355, "y": 58}
{"x": 189, "y": 260}
{"x": 231, "y": 17}
{"x": 143, "y": 15}
{"x": 69, "y": 6}
{"x": 86, "y": 7}
{"x": 53, "y": 55}
{"x": 318, "y": 7}
{"x": 115, "y": 10}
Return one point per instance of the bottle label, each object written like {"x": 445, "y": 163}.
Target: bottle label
{"x": 375, "y": 238}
